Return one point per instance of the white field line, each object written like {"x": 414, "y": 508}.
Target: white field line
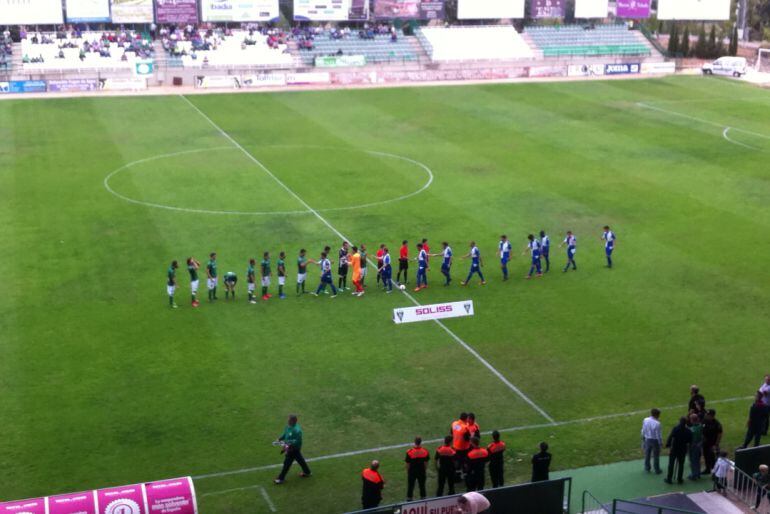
{"x": 266, "y": 496}
{"x": 733, "y": 141}
{"x": 226, "y": 491}
{"x": 344, "y": 238}
{"x": 699, "y": 120}
{"x": 434, "y": 441}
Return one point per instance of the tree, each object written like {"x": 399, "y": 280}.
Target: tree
{"x": 684, "y": 46}
{"x": 711, "y": 46}
{"x": 700, "y": 46}
{"x": 673, "y": 40}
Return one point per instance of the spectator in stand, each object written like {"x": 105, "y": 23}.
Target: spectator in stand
{"x": 696, "y": 446}
{"x": 373, "y": 484}
{"x": 652, "y": 441}
{"x": 762, "y": 478}
{"x": 756, "y": 422}
{"x": 541, "y": 464}
{"x": 678, "y": 442}
{"x": 472, "y": 503}
{"x": 712, "y": 438}
{"x": 719, "y": 476}
{"x": 696, "y": 400}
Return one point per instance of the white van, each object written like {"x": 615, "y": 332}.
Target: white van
{"x": 735, "y": 66}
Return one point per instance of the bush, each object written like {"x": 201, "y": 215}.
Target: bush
{"x": 684, "y": 46}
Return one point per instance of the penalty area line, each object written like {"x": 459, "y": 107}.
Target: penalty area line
{"x": 339, "y": 234}
{"x": 380, "y": 449}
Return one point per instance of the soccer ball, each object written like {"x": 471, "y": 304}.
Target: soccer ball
{"x": 402, "y": 287}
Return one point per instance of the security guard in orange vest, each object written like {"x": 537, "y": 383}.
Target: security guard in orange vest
{"x": 473, "y": 427}
{"x": 416, "y": 460}
{"x": 460, "y": 443}
{"x": 496, "y": 450}
{"x": 445, "y": 465}
{"x": 373, "y": 485}
{"x": 477, "y": 461}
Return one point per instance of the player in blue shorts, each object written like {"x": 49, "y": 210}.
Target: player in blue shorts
{"x": 446, "y": 262}
{"x": 571, "y": 242}
{"x": 545, "y": 249}
{"x": 326, "y": 276}
{"x": 609, "y": 244}
{"x": 504, "y": 248}
{"x": 533, "y": 247}
{"x": 385, "y": 271}
{"x": 476, "y": 264}
{"x": 422, "y": 268}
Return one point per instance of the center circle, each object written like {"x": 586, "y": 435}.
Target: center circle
{"x": 324, "y": 177}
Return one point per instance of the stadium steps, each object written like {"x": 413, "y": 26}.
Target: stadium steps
{"x": 535, "y": 49}
{"x": 714, "y": 503}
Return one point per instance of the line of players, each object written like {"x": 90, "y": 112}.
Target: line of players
{"x": 355, "y": 258}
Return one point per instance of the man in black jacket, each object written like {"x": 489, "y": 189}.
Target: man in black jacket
{"x": 712, "y": 437}
{"x": 756, "y": 423}
{"x": 679, "y": 443}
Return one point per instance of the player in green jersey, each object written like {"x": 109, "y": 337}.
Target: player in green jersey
{"x": 251, "y": 278}
{"x": 280, "y": 266}
{"x": 362, "y": 253}
{"x": 230, "y": 280}
{"x": 211, "y": 276}
{"x": 171, "y": 284}
{"x": 302, "y": 262}
{"x": 192, "y": 268}
{"x": 266, "y": 274}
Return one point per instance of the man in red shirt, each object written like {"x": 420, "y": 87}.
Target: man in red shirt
{"x": 403, "y": 262}
{"x": 496, "y": 450}
{"x": 425, "y": 246}
{"x": 473, "y": 427}
{"x": 476, "y": 464}
{"x": 416, "y": 460}
{"x": 373, "y": 485}
{"x": 380, "y": 255}
{"x": 445, "y": 466}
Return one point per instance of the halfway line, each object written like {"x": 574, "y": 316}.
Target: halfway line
{"x": 342, "y": 236}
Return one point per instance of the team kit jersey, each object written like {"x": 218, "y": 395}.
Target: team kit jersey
{"x": 281, "y": 267}
{"x": 265, "y": 267}
{"x": 475, "y": 257}
{"x": 505, "y": 251}
{"x": 447, "y": 258}
{"x": 545, "y": 245}
{"x": 231, "y": 278}
{"x": 343, "y": 265}
{"x": 212, "y": 269}
{"x": 422, "y": 259}
{"x": 609, "y": 241}
{"x": 534, "y": 248}
{"x": 362, "y": 253}
{"x": 193, "y": 277}
{"x": 326, "y": 270}
{"x": 301, "y": 269}
{"x": 386, "y": 267}
{"x": 171, "y": 283}
{"x": 571, "y": 242}
{"x": 251, "y": 278}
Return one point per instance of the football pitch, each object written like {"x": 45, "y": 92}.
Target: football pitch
{"x": 101, "y": 383}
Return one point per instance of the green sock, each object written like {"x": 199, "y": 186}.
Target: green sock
{"x": 193, "y": 298}
{"x": 171, "y": 300}
{"x": 280, "y": 290}
{"x": 251, "y": 297}
{"x": 264, "y": 291}
{"x": 215, "y": 293}
{"x": 303, "y": 287}
{"x": 298, "y": 284}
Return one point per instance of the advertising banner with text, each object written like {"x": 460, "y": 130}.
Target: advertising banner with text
{"x": 591, "y": 8}
{"x": 88, "y": 11}
{"x": 706, "y": 10}
{"x": 330, "y": 10}
{"x": 547, "y": 8}
{"x": 176, "y": 11}
{"x": 431, "y": 312}
{"x": 67, "y": 85}
{"x": 635, "y": 9}
{"x": 30, "y": 12}
{"x": 75, "y": 503}
{"x": 489, "y": 9}
{"x": 239, "y": 10}
{"x": 409, "y": 9}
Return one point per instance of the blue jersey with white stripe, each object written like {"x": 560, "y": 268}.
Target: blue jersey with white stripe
{"x": 326, "y": 266}
{"x": 447, "y": 254}
{"x": 534, "y": 248}
{"x": 422, "y": 259}
{"x": 609, "y": 238}
{"x": 571, "y": 242}
{"x": 386, "y": 262}
{"x": 545, "y": 243}
{"x": 505, "y": 250}
{"x": 475, "y": 255}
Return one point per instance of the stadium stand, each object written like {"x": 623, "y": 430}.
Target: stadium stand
{"x": 577, "y": 40}
{"x": 112, "y": 50}
{"x": 6, "y": 51}
{"x": 474, "y": 43}
{"x": 253, "y": 47}
{"x": 377, "y": 46}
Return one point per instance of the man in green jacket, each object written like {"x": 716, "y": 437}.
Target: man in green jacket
{"x": 292, "y": 449}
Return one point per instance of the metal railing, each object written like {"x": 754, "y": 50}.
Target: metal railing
{"x": 590, "y": 505}
{"x": 634, "y": 507}
{"x": 743, "y": 487}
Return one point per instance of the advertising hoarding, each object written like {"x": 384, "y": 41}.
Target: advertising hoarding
{"x": 88, "y": 11}
{"x": 31, "y": 12}
{"x": 591, "y": 8}
{"x": 547, "y": 8}
{"x": 409, "y": 9}
{"x": 489, "y": 9}
{"x": 636, "y": 9}
{"x": 131, "y": 11}
{"x": 239, "y": 10}
{"x": 693, "y": 9}
{"x": 331, "y": 10}
{"x": 176, "y": 11}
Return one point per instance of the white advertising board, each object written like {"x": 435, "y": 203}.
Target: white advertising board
{"x": 431, "y": 312}
{"x": 88, "y": 11}
{"x": 30, "y": 12}
{"x": 328, "y": 10}
{"x": 693, "y": 9}
{"x": 591, "y": 8}
{"x": 489, "y": 9}
{"x": 239, "y": 10}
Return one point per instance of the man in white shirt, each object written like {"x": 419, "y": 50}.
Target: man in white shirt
{"x": 764, "y": 389}
{"x": 652, "y": 440}
{"x": 472, "y": 503}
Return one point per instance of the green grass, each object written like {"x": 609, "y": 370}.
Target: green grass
{"x": 102, "y": 384}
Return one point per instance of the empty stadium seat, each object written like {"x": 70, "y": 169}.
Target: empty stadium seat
{"x": 579, "y": 41}
{"x": 474, "y": 43}
{"x": 380, "y": 49}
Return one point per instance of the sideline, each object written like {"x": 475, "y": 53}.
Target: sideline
{"x": 331, "y": 227}
{"x": 434, "y": 441}
{"x": 701, "y": 120}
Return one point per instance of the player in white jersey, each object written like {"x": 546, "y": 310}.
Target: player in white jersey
{"x": 446, "y": 261}
{"x": 609, "y": 244}
{"x": 476, "y": 264}
{"x": 504, "y": 249}
{"x": 326, "y": 276}
{"x": 533, "y": 247}
{"x": 545, "y": 249}
{"x": 422, "y": 268}
{"x": 385, "y": 271}
{"x": 571, "y": 242}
